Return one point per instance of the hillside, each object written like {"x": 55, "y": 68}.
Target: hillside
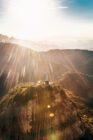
{"x": 40, "y": 111}
{"x": 19, "y": 64}
{"x": 81, "y": 85}
{"x": 33, "y": 110}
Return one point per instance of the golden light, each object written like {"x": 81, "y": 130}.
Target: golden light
{"x": 51, "y": 115}
{"x": 54, "y": 136}
{"x": 43, "y": 20}
{"x": 32, "y": 19}
{"x": 48, "y": 106}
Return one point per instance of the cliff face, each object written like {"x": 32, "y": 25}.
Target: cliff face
{"x": 39, "y": 112}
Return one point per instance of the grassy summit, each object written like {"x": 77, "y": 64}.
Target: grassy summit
{"x": 39, "y": 112}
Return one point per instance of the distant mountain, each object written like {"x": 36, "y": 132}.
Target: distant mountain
{"x": 45, "y": 45}
{"x": 20, "y": 64}
{"x": 35, "y": 45}
{"x": 6, "y": 39}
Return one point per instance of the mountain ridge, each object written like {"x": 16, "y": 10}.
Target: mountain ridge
{"x": 47, "y": 45}
{"x": 24, "y": 64}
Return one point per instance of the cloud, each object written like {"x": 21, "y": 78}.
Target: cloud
{"x": 63, "y": 7}
{"x": 59, "y": 7}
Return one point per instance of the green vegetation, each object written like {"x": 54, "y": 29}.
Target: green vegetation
{"x": 38, "y": 110}
{"x": 32, "y": 110}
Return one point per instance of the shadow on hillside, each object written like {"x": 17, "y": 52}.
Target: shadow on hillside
{"x": 3, "y": 85}
{"x": 39, "y": 112}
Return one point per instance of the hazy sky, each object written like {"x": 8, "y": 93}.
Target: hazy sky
{"x": 47, "y": 19}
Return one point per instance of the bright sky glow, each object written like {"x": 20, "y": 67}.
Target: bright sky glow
{"x": 45, "y": 19}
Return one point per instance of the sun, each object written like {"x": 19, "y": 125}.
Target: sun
{"x": 32, "y": 19}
